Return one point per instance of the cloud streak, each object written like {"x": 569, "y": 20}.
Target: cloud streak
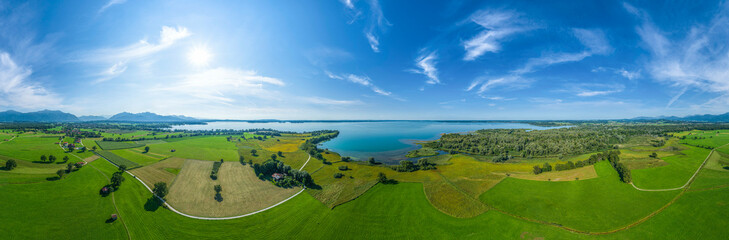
{"x": 699, "y": 59}
{"x": 497, "y": 27}
{"x": 17, "y": 91}
{"x": 360, "y": 80}
{"x": 109, "y": 4}
{"x": 376, "y": 22}
{"x": 426, "y": 66}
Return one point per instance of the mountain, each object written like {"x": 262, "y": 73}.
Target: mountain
{"x": 148, "y": 117}
{"x": 91, "y": 118}
{"x": 40, "y": 116}
{"x": 692, "y": 118}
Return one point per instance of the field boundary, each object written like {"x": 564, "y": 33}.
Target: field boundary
{"x": 209, "y": 218}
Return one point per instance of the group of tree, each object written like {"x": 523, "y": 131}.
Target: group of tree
{"x": 291, "y": 177}
{"x": 409, "y": 166}
{"x": 606, "y": 155}
{"x": 49, "y": 159}
{"x": 218, "y": 189}
{"x": 160, "y": 189}
{"x": 216, "y": 168}
{"x": 117, "y": 179}
{"x": 580, "y": 139}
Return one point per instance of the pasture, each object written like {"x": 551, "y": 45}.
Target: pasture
{"x": 679, "y": 169}
{"x": 110, "y": 145}
{"x": 597, "y": 204}
{"x": 137, "y": 156}
{"x": 212, "y": 148}
{"x": 117, "y": 159}
{"x": 159, "y": 172}
{"x": 192, "y": 191}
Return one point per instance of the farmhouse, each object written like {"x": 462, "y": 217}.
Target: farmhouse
{"x": 277, "y": 176}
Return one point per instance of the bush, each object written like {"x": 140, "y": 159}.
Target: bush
{"x": 338, "y": 175}
{"x": 343, "y": 168}
{"x": 10, "y": 164}
{"x": 216, "y": 167}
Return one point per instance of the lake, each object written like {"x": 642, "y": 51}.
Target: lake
{"x": 386, "y": 141}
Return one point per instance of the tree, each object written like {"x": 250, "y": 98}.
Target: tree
{"x": 65, "y": 158}
{"x": 372, "y": 161}
{"x": 116, "y": 180}
{"x": 253, "y": 152}
{"x": 273, "y": 156}
{"x": 537, "y": 170}
{"x": 218, "y": 188}
{"x": 51, "y": 158}
{"x": 69, "y": 167}
{"x": 10, "y": 164}
{"x": 547, "y": 167}
{"x": 122, "y": 168}
{"x": 382, "y": 178}
{"x": 93, "y": 148}
{"x": 160, "y": 189}
{"x": 280, "y": 154}
{"x": 43, "y": 158}
{"x": 653, "y": 155}
{"x": 146, "y": 149}
{"x": 60, "y": 173}
{"x": 338, "y": 175}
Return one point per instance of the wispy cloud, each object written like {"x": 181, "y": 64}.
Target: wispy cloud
{"x": 591, "y": 90}
{"x": 426, "y": 65}
{"x": 593, "y": 39}
{"x": 327, "y": 101}
{"x": 497, "y": 26}
{"x": 110, "y": 3}
{"x": 699, "y": 59}
{"x": 376, "y": 21}
{"x": 119, "y": 57}
{"x": 630, "y": 75}
{"x": 17, "y": 91}
{"x": 361, "y": 80}
{"x": 222, "y": 85}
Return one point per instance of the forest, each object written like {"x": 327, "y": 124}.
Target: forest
{"x": 505, "y": 144}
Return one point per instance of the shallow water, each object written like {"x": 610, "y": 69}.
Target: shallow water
{"x": 386, "y": 141}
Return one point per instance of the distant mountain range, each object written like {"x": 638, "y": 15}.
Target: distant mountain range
{"x": 58, "y": 116}
{"x": 692, "y": 118}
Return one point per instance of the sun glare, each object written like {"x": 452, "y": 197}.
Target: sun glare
{"x": 199, "y": 56}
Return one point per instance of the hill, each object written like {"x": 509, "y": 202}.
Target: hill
{"x": 692, "y": 118}
{"x": 148, "y": 117}
{"x": 40, "y": 116}
{"x": 91, "y": 118}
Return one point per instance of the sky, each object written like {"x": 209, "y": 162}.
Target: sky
{"x": 367, "y": 59}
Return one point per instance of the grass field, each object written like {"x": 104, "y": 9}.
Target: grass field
{"x": 598, "y": 204}
{"x": 212, "y": 148}
{"x": 159, "y": 172}
{"x": 714, "y": 172}
{"x": 108, "y": 145}
{"x": 72, "y": 209}
{"x": 707, "y": 138}
{"x": 117, "y": 159}
{"x": 679, "y": 169}
{"x": 192, "y": 191}
{"x": 582, "y": 173}
{"x": 31, "y": 147}
{"x": 137, "y": 156}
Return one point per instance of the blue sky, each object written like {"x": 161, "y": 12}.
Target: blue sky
{"x": 366, "y": 59}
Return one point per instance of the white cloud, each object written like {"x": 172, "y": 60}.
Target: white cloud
{"x": 327, "y": 101}
{"x": 111, "y": 3}
{"x": 591, "y": 90}
{"x": 507, "y": 82}
{"x": 426, "y": 64}
{"x": 498, "y": 25}
{"x": 699, "y": 59}
{"x": 168, "y": 36}
{"x": 377, "y": 23}
{"x": 594, "y": 40}
{"x": 361, "y": 80}
{"x": 222, "y": 85}
{"x": 112, "y": 72}
{"x": 17, "y": 91}
{"x": 630, "y": 75}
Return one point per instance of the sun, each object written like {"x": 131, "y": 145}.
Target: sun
{"x": 199, "y": 56}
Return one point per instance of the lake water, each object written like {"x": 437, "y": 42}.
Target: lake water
{"x": 386, "y": 141}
